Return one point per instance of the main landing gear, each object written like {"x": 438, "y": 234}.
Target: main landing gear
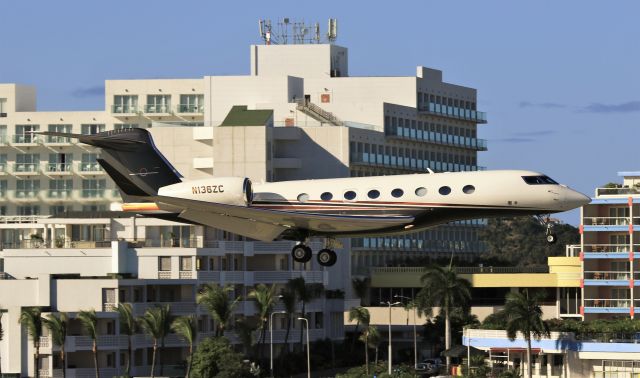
{"x": 551, "y": 236}
{"x": 302, "y": 253}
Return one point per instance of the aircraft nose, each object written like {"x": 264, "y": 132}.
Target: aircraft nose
{"x": 574, "y": 199}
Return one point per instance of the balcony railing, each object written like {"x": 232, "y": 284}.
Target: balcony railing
{"x": 124, "y": 109}
{"x": 26, "y": 168}
{"x": 454, "y": 112}
{"x": 617, "y": 191}
{"x": 90, "y": 167}
{"x": 187, "y": 108}
{"x": 3, "y": 139}
{"x": 3, "y": 167}
{"x": 25, "y": 139}
{"x": 94, "y": 193}
{"x": 58, "y": 167}
{"x": 606, "y": 275}
{"x": 27, "y": 194}
{"x": 607, "y": 303}
{"x": 59, "y": 193}
{"x": 606, "y": 248}
{"x": 407, "y": 163}
{"x": 162, "y": 109}
{"x": 438, "y": 138}
{"x": 606, "y": 221}
{"x": 53, "y": 139}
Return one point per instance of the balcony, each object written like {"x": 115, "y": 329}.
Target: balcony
{"x": 94, "y": 193}
{"x": 92, "y": 168}
{"x": 624, "y": 191}
{"x": 58, "y": 169}
{"x": 453, "y": 112}
{"x": 606, "y": 278}
{"x": 125, "y": 109}
{"x": 57, "y": 141}
{"x": 607, "y": 305}
{"x": 4, "y": 140}
{"x": 605, "y": 251}
{"x": 190, "y": 109}
{"x": 3, "y": 169}
{"x": 158, "y": 109}
{"x": 26, "y": 169}
{"x": 408, "y": 133}
{"x": 25, "y": 140}
{"x": 26, "y": 195}
{"x": 59, "y": 194}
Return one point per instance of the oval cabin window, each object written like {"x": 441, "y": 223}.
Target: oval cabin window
{"x": 373, "y": 194}
{"x": 421, "y": 192}
{"x": 303, "y": 197}
{"x": 468, "y": 189}
{"x": 444, "y": 190}
{"x": 350, "y": 195}
{"x": 326, "y": 196}
{"x": 397, "y": 193}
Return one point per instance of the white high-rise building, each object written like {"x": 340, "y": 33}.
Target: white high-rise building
{"x": 298, "y": 115}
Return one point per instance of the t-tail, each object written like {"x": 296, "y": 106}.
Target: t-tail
{"x": 131, "y": 159}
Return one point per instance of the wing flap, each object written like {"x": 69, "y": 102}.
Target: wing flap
{"x": 255, "y": 230}
{"x": 319, "y": 223}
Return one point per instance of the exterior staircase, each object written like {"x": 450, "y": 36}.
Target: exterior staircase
{"x": 316, "y": 112}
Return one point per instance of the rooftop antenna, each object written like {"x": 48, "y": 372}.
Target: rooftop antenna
{"x": 332, "y": 33}
{"x": 300, "y": 32}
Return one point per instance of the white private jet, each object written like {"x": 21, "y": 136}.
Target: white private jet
{"x": 341, "y": 207}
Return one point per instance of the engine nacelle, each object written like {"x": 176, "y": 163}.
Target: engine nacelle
{"x": 227, "y": 190}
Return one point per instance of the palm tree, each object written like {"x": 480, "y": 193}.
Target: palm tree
{"x": 374, "y": 341}
{"x": 128, "y": 326}
{"x": 89, "y": 321}
{"x": 216, "y": 299}
{"x": 305, "y": 293}
{"x": 187, "y": 328}
{"x": 156, "y": 322}
{"x": 443, "y": 288}
{"x": 266, "y": 298}
{"x": 361, "y": 288}
{"x": 31, "y": 320}
{"x": 361, "y": 316}
{"x": 288, "y": 297}
{"x": 525, "y": 315}
{"x": 57, "y": 326}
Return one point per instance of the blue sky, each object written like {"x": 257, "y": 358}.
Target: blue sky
{"x": 559, "y": 79}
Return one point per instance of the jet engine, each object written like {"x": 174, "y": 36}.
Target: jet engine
{"x": 226, "y": 190}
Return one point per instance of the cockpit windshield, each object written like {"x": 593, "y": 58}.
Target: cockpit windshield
{"x": 539, "y": 180}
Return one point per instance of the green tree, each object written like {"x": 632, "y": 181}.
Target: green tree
{"x": 128, "y": 327}
{"x": 216, "y": 300}
{"x": 361, "y": 288}
{"x": 361, "y": 316}
{"x": 214, "y": 357}
{"x": 187, "y": 328}
{"x": 31, "y": 320}
{"x": 156, "y": 322}
{"x": 443, "y": 288}
{"x": 305, "y": 293}
{"x": 524, "y": 315}
{"x": 89, "y": 321}
{"x": 374, "y": 341}
{"x": 289, "y": 302}
{"x": 265, "y": 297}
{"x": 57, "y": 326}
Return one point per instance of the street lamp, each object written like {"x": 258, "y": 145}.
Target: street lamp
{"x": 271, "y": 337}
{"x": 415, "y": 333}
{"x": 306, "y": 323}
{"x": 389, "y": 303}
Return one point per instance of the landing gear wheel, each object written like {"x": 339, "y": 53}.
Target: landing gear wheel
{"x": 327, "y": 257}
{"x": 552, "y": 238}
{"x": 301, "y": 253}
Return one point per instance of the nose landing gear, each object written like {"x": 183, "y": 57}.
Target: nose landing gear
{"x": 551, "y": 236}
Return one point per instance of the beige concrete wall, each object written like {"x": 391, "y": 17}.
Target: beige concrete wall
{"x": 75, "y": 295}
{"x": 307, "y": 60}
{"x": 241, "y": 151}
{"x": 178, "y": 145}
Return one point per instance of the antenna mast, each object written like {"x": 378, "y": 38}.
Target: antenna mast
{"x": 300, "y": 33}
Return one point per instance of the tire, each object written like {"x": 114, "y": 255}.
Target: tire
{"x": 301, "y": 253}
{"x": 327, "y": 257}
{"x": 552, "y": 238}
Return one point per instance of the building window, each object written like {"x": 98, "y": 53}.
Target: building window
{"x": 93, "y": 188}
{"x": 27, "y": 188}
{"x": 28, "y": 210}
{"x": 3, "y": 188}
{"x": 3, "y": 107}
{"x": 125, "y": 104}
{"x": 191, "y": 103}
{"x": 120, "y": 126}
{"x": 58, "y": 129}
{"x": 25, "y": 133}
{"x": 59, "y": 162}
{"x": 164, "y": 263}
{"x": 92, "y": 129}
{"x": 186, "y": 263}
{"x": 158, "y": 104}
{"x": 58, "y": 209}
{"x": 89, "y": 163}
{"x": 93, "y": 208}
{"x": 60, "y": 188}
